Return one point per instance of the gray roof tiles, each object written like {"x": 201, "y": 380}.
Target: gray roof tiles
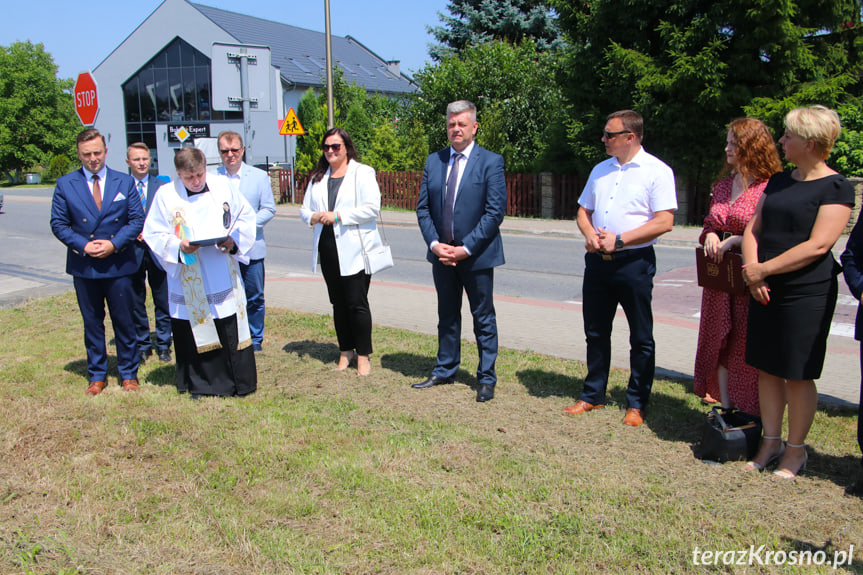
{"x": 301, "y": 54}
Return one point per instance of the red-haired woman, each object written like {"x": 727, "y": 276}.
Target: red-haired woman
{"x": 720, "y": 368}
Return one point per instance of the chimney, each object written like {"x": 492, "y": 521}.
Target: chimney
{"x": 394, "y": 66}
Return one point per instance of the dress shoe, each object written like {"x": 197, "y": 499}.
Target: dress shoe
{"x": 581, "y": 407}
{"x": 130, "y": 385}
{"x": 633, "y": 417}
{"x": 96, "y": 388}
{"x": 431, "y": 381}
{"x": 257, "y": 347}
{"x": 145, "y": 355}
{"x": 165, "y": 355}
{"x": 485, "y": 392}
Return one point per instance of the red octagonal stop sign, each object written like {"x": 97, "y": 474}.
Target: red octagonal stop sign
{"x": 86, "y": 98}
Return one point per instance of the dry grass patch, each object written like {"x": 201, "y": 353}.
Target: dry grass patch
{"x": 324, "y": 472}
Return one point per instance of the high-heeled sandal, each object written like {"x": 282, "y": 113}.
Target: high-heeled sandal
{"x": 787, "y": 474}
{"x": 351, "y": 360}
{"x": 755, "y": 466}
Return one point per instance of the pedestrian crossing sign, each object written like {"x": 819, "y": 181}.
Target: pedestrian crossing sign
{"x": 291, "y": 126}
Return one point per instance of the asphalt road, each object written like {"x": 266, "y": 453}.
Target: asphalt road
{"x": 541, "y": 268}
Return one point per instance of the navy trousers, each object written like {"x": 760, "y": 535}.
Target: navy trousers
{"x": 92, "y": 295}
{"x": 450, "y": 282}
{"x": 625, "y": 279}
{"x": 152, "y": 274}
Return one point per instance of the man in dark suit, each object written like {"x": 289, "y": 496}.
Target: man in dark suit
{"x": 96, "y": 213}
{"x": 852, "y": 267}
{"x": 149, "y": 270}
{"x": 461, "y": 206}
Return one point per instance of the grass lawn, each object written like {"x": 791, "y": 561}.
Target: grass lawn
{"x": 325, "y": 472}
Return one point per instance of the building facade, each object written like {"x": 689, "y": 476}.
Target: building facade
{"x": 160, "y": 79}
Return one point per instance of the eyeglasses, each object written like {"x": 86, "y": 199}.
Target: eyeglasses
{"x": 333, "y": 147}
{"x": 610, "y": 135}
{"x": 231, "y": 150}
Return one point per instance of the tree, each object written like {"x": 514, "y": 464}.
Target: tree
{"x": 514, "y": 89}
{"x": 37, "y": 115}
{"x": 474, "y": 22}
{"x": 691, "y": 66}
{"x": 373, "y": 121}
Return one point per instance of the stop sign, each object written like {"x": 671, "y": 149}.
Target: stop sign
{"x": 86, "y": 98}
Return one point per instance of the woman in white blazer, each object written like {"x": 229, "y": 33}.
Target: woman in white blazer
{"x": 342, "y": 202}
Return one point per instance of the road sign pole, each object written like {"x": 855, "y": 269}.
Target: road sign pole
{"x": 244, "y": 94}
{"x": 293, "y": 169}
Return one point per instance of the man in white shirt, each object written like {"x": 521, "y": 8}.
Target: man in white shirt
{"x": 149, "y": 271}
{"x": 628, "y": 202}
{"x": 254, "y": 185}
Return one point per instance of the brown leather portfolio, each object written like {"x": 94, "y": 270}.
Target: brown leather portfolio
{"x": 726, "y": 275}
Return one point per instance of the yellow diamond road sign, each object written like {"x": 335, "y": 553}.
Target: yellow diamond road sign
{"x": 291, "y": 125}
{"x": 183, "y": 134}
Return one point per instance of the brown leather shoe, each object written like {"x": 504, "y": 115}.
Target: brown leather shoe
{"x": 633, "y": 417}
{"x": 96, "y": 388}
{"x": 581, "y": 407}
{"x": 130, "y": 385}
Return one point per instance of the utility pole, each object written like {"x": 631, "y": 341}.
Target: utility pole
{"x": 330, "y": 116}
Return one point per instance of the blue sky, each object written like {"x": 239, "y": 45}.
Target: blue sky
{"x": 79, "y": 35}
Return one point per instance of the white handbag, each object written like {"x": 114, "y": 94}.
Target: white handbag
{"x": 380, "y": 257}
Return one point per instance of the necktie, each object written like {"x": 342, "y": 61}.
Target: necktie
{"x": 449, "y": 199}
{"x": 141, "y": 194}
{"x": 97, "y": 193}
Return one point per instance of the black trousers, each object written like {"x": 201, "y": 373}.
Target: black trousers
{"x": 349, "y": 295}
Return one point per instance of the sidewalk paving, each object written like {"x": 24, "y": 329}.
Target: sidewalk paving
{"x": 548, "y": 327}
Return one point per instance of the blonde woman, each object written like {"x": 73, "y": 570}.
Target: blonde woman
{"x": 792, "y": 277}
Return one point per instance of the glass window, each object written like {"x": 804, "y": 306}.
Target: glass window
{"x": 132, "y": 98}
{"x": 174, "y": 86}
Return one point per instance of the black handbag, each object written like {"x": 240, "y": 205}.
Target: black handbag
{"x": 730, "y": 435}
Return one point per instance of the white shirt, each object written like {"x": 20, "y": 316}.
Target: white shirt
{"x": 625, "y": 197}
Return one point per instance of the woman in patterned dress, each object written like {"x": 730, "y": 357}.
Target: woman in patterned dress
{"x": 720, "y": 369}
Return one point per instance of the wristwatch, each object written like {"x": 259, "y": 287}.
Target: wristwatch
{"x": 618, "y": 243}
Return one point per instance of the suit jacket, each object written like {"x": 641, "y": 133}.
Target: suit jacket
{"x": 76, "y": 221}
{"x": 852, "y": 267}
{"x": 480, "y": 206}
{"x": 153, "y": 185}
{"x": 256, "y": 188}
{"x": 358, "y": 204}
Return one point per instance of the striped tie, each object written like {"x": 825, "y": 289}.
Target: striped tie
{"x": 141, "y": 194}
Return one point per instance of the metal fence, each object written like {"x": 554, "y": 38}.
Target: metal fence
{"x": 524, "y": 192}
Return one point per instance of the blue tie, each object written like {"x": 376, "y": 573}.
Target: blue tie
{"x": 449, "y": 199}
{"x": 141, "y": 194}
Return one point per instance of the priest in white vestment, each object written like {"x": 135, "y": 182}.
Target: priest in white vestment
{"x": 200, "y": 228}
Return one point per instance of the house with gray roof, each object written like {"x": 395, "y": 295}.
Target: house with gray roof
{"x": 159, "y": 79}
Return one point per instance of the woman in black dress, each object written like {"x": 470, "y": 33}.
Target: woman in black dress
{"x": 792, "y": 277}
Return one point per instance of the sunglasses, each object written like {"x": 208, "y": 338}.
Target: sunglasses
{"x": 227, "y": 150}
{"x": 610, "y": 135}
{"x": 333, "y": 147}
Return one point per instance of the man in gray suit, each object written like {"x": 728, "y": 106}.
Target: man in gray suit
{"x": 149, "y": 270}
{"x": 254, "y": 185}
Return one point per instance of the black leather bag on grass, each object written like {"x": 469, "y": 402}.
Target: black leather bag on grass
{"x": 730, "y": 435}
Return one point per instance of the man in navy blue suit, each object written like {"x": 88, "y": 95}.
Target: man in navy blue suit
{"x": 96, "y": 213}
{"x": 852, "y": 267}
{"x": 461, "y": 206}
{"x": 149, "y": 270}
